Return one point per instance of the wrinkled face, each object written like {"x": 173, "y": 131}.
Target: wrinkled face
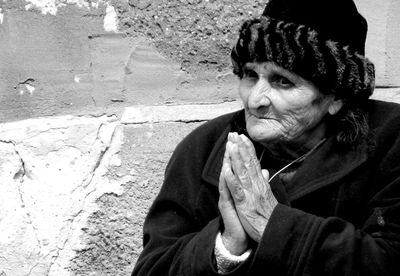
{"x": 282, "y": 106}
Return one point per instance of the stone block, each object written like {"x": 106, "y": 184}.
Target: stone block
{"x": 113, "y": 236}
{"x": 59, "y": 64}
{"x": 52, "y": 171}
{"x": 176, "y": 113}
{"x": 387, "y": 94}
{"x": 383, "y": 40}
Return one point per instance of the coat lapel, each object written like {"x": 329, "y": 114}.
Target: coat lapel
{"x": 324, "y": 167}
{"x": 213, "y": 166}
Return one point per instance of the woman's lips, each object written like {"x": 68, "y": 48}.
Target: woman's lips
{"x": 260, "y": 117}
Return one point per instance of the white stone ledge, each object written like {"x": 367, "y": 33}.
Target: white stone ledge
{"x": 387, "y": 94}
{"x": 177, "y": 113}
{"x": 203, "y": 112}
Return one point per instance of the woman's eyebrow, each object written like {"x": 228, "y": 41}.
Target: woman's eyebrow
{"x": 286, "y": 74}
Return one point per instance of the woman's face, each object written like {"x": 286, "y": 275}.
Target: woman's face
{"x": 281, "y": 106}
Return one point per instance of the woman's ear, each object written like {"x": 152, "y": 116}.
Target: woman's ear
{"x": 335, "y": 106}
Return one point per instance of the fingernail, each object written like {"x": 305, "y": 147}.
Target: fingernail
{"x": 234, "y": 136}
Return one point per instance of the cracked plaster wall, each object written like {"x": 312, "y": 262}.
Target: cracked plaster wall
{"x": 52, "y": 170}
{"x": 92, "y": 108}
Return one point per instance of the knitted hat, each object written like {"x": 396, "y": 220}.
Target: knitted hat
{"x": 320, "y": 40}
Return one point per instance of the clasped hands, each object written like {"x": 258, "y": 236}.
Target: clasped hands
{"x": 246, "y": 201}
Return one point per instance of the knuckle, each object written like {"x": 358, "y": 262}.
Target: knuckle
{"x": 231, "y": 180}
{"x": 229, "y": 176}
{"x": 242, "y": 178}
{"x": 254, "y": 160}
{"x": 220, "y": 204}
{"x": 239, "y": 193}
{"x": 251, "y": 162}
{"x": 260, "y": 199}
{"x": 248, "y": 163}
{"x": 261, "y": 185}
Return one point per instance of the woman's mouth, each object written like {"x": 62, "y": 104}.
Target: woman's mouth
{"x": 263, "y": 117}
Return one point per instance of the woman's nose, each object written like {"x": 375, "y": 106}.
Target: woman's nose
{"x": 259, "y": 95}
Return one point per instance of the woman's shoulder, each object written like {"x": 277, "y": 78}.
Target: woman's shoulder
{"x": 384, "y": 124}
{"x": 384, "y": 105}
{"x": 383, "y": 114}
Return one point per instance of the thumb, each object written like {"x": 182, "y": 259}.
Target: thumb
{"x": 265, "y": 174}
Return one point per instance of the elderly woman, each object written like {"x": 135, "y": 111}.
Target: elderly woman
{"x": 306, "y": 179}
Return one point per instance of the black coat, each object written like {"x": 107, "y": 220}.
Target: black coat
{"x": 339, "y": 215}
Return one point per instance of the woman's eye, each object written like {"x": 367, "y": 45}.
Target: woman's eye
{"x": 282, "y": 82}
{"x": 250, "y": 74}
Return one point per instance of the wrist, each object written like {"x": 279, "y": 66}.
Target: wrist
{"x": 226, "y": 262}
{"x": 234, "y": 246}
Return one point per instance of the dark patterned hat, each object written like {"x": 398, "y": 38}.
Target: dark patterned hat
{"x": 321, "y": 41}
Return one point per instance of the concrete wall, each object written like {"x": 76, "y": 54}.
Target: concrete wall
{"x": 94, "y": 96}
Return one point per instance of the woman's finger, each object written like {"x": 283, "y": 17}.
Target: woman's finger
{"x": 264, "y": 186}
{"x": 223, "y": 189}
{"x": 249, "y": 157}
{"x": 231, "y": 137}
{"x": 251, "y": 151}
{"x": 238, "y": 166}
{"x": 265, "y": 174}
{"x": 226, "y": 164}
{"x": 235, "y": 188}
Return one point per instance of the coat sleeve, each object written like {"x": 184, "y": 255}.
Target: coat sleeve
{"x": 181, "y": 227}
{"x": 299, "y": 243}
{"x": 175, "y": 241}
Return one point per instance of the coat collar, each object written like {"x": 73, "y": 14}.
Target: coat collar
{"x": 324, "y": 167}
{"x": 332, "y": 166}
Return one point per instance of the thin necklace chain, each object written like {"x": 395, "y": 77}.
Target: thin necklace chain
{"x": 299, "y": 159}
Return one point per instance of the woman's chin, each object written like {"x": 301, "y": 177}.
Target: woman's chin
{"x": 260, "y": 135}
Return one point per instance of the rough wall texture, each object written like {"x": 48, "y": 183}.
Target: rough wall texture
{"x": 94, "y": 97}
